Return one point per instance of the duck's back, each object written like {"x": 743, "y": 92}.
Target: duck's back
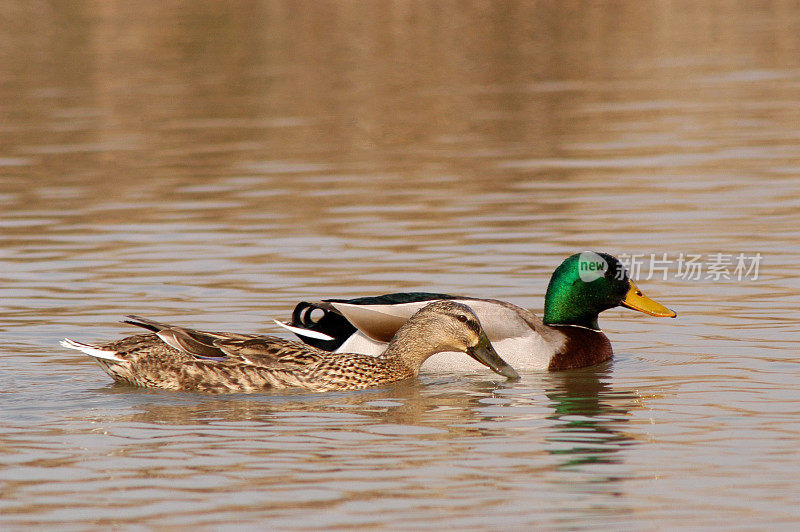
{"x": 517, "y": 334}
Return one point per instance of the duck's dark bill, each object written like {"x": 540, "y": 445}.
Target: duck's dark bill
{"x": 636, "y": 300}
{"x": 484, "y": 353}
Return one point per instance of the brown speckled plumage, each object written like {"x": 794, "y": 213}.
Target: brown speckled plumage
{"x": 177, "y": 358}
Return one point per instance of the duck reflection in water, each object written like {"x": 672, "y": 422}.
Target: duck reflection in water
{"x": 588, "y": 413}
{"x": 581, "y": 422}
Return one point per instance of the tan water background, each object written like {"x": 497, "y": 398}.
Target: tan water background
{"x": 213, "y": 164}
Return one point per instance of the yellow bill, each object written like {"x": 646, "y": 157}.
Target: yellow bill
{"x": 636, "y": 300}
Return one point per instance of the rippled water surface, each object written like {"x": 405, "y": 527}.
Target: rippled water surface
{"x": 212, "y": 165}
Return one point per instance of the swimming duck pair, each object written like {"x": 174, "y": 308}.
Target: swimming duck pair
{"x": 373, "y": 341}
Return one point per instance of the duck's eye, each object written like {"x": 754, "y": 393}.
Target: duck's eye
{"x": 638, "y": 292}
{"x": 461, "y": 318}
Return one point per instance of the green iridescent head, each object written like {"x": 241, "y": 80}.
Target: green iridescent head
{"x": 586, "y": 284}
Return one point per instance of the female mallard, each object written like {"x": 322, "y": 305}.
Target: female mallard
{"x": 584, "y": 285}
{"x": 175, "y": 358}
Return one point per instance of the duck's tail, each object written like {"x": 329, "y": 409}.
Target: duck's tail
{"x": 327, "y": 331}
{"x": 304, "y": 333}
{"x": 117, "y": 367}
{"x": 92, "y": 350}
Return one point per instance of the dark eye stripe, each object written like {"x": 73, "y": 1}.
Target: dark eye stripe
{"x": 474, "y": 326}
{"x": 470, "y": 322}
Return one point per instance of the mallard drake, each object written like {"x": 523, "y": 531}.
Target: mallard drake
{"x": 177, "y": 358}
{"x": 568, "y": 336}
